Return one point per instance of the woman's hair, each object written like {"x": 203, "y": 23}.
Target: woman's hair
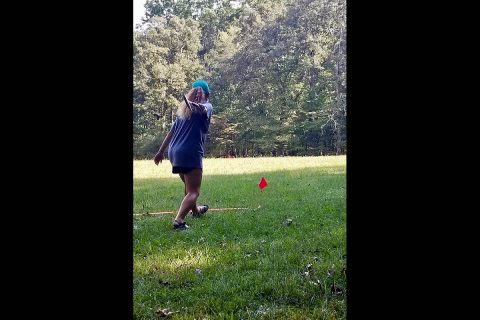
{"x": 195, "y": 95}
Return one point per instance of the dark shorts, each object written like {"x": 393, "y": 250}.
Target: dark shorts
{"x": 183, "y": 169}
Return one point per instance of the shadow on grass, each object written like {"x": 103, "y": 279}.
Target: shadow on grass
{"x": 236, "y": 262}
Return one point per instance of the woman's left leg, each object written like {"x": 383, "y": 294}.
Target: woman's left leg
{"x": 194, "y": 207}
{"x": 193, "y": 181}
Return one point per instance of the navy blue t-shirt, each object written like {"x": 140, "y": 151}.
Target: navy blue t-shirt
{"x": 186, "y": 147}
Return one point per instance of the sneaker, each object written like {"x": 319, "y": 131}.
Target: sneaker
{"x": 201, "y": 210}
{"x": 180, "y": 225}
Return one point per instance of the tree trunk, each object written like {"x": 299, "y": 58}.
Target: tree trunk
{"x": 338, "y": 127}
{"x": 338, "y": 140}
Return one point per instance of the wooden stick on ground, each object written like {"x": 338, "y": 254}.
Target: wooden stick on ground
{"x": 173, "y": 212}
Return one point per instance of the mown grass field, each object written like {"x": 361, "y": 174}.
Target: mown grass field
{"x": 244, "y": 264}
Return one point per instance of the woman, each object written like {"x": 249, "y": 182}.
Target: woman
{"x": 185, "y": 148}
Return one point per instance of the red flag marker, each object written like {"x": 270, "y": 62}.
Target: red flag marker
{"x": 263, "y": 183}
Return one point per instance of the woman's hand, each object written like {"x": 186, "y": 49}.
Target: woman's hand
{"x": 200, "y": 108}
{"x": 158, "y": 158}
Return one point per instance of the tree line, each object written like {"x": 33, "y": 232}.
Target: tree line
{"x": 276, "y": 70}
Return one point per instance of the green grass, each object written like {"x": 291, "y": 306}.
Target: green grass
{"x": 252, "y": 263}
